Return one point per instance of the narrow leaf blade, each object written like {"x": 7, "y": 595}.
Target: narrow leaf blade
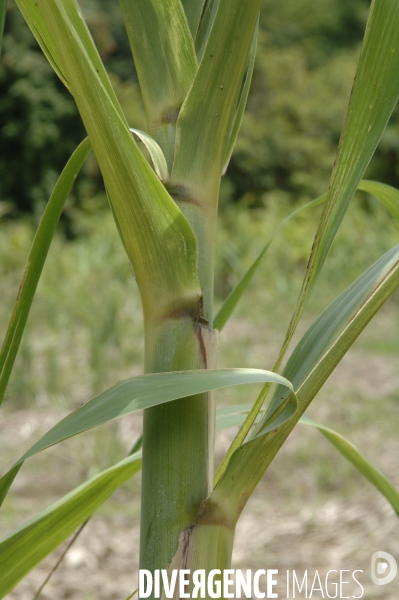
{"x": 360, "y": 462}
{"x": 374, "y": 95}
{"x": 135, "y": 394}
{"x": 233, "y": 416}
{"x": 386, "y": 194}
{"x": 36, "y": 260}
{"x": 242, "y": 103}
{"x": 24, "y": 548}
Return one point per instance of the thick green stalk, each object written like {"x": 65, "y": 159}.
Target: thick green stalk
{"x": 178, "y": 437}
{"x": 206, "y": 545}
{"x": 202, "y": 218}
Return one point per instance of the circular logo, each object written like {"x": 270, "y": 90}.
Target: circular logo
{"x": 383, "y": 568}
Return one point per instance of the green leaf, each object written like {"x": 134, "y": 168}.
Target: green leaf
{"x": 374, "y": 95}
{"x": 161, "y": 245}
{"x": 132, "y": 595}
{"x": 165, "y": 59}
{"x": 207, "y": 116}
{"x": 281, "y": 413}
{"x": 155, "y": 151}
{"x": 6, "y": 482}
{"x": 135, "y": 394}
{"x": 36, "y": 260}
{"x": 234, "y": 297}
{"x": 38, "y": 27}
{"x": 45, "y": 37}
{"x": 205, "y": 26}
{"x": 242, "y": 103}
{"x": 332, "y": 334}
{"x": 232, "y": 416}
{"x": 352, "y": 454}
{"x": 25, "y": 547}
{"x": 193, "y": 10}
{"x": 312, "y": 361}
{"x": 74, "y": 15}
{"x": 386, "y": 194}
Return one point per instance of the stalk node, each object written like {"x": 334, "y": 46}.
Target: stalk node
{"x": 181, "y": 194}
{"x": 170, "y": 116}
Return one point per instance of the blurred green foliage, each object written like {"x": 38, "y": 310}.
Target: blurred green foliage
{"x": 306, "y": 61}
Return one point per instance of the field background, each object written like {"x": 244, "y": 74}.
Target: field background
{"x": 312, "y": 510}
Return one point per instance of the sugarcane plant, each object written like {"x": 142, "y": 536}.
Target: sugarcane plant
{"x": 194, "y": 60}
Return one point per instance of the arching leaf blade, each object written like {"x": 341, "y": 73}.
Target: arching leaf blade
{"x": 24, "y": 548}
{"x": 132, "y": 395}
{"x": 360, "y": 462}
{"x": 233, "y": 416}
